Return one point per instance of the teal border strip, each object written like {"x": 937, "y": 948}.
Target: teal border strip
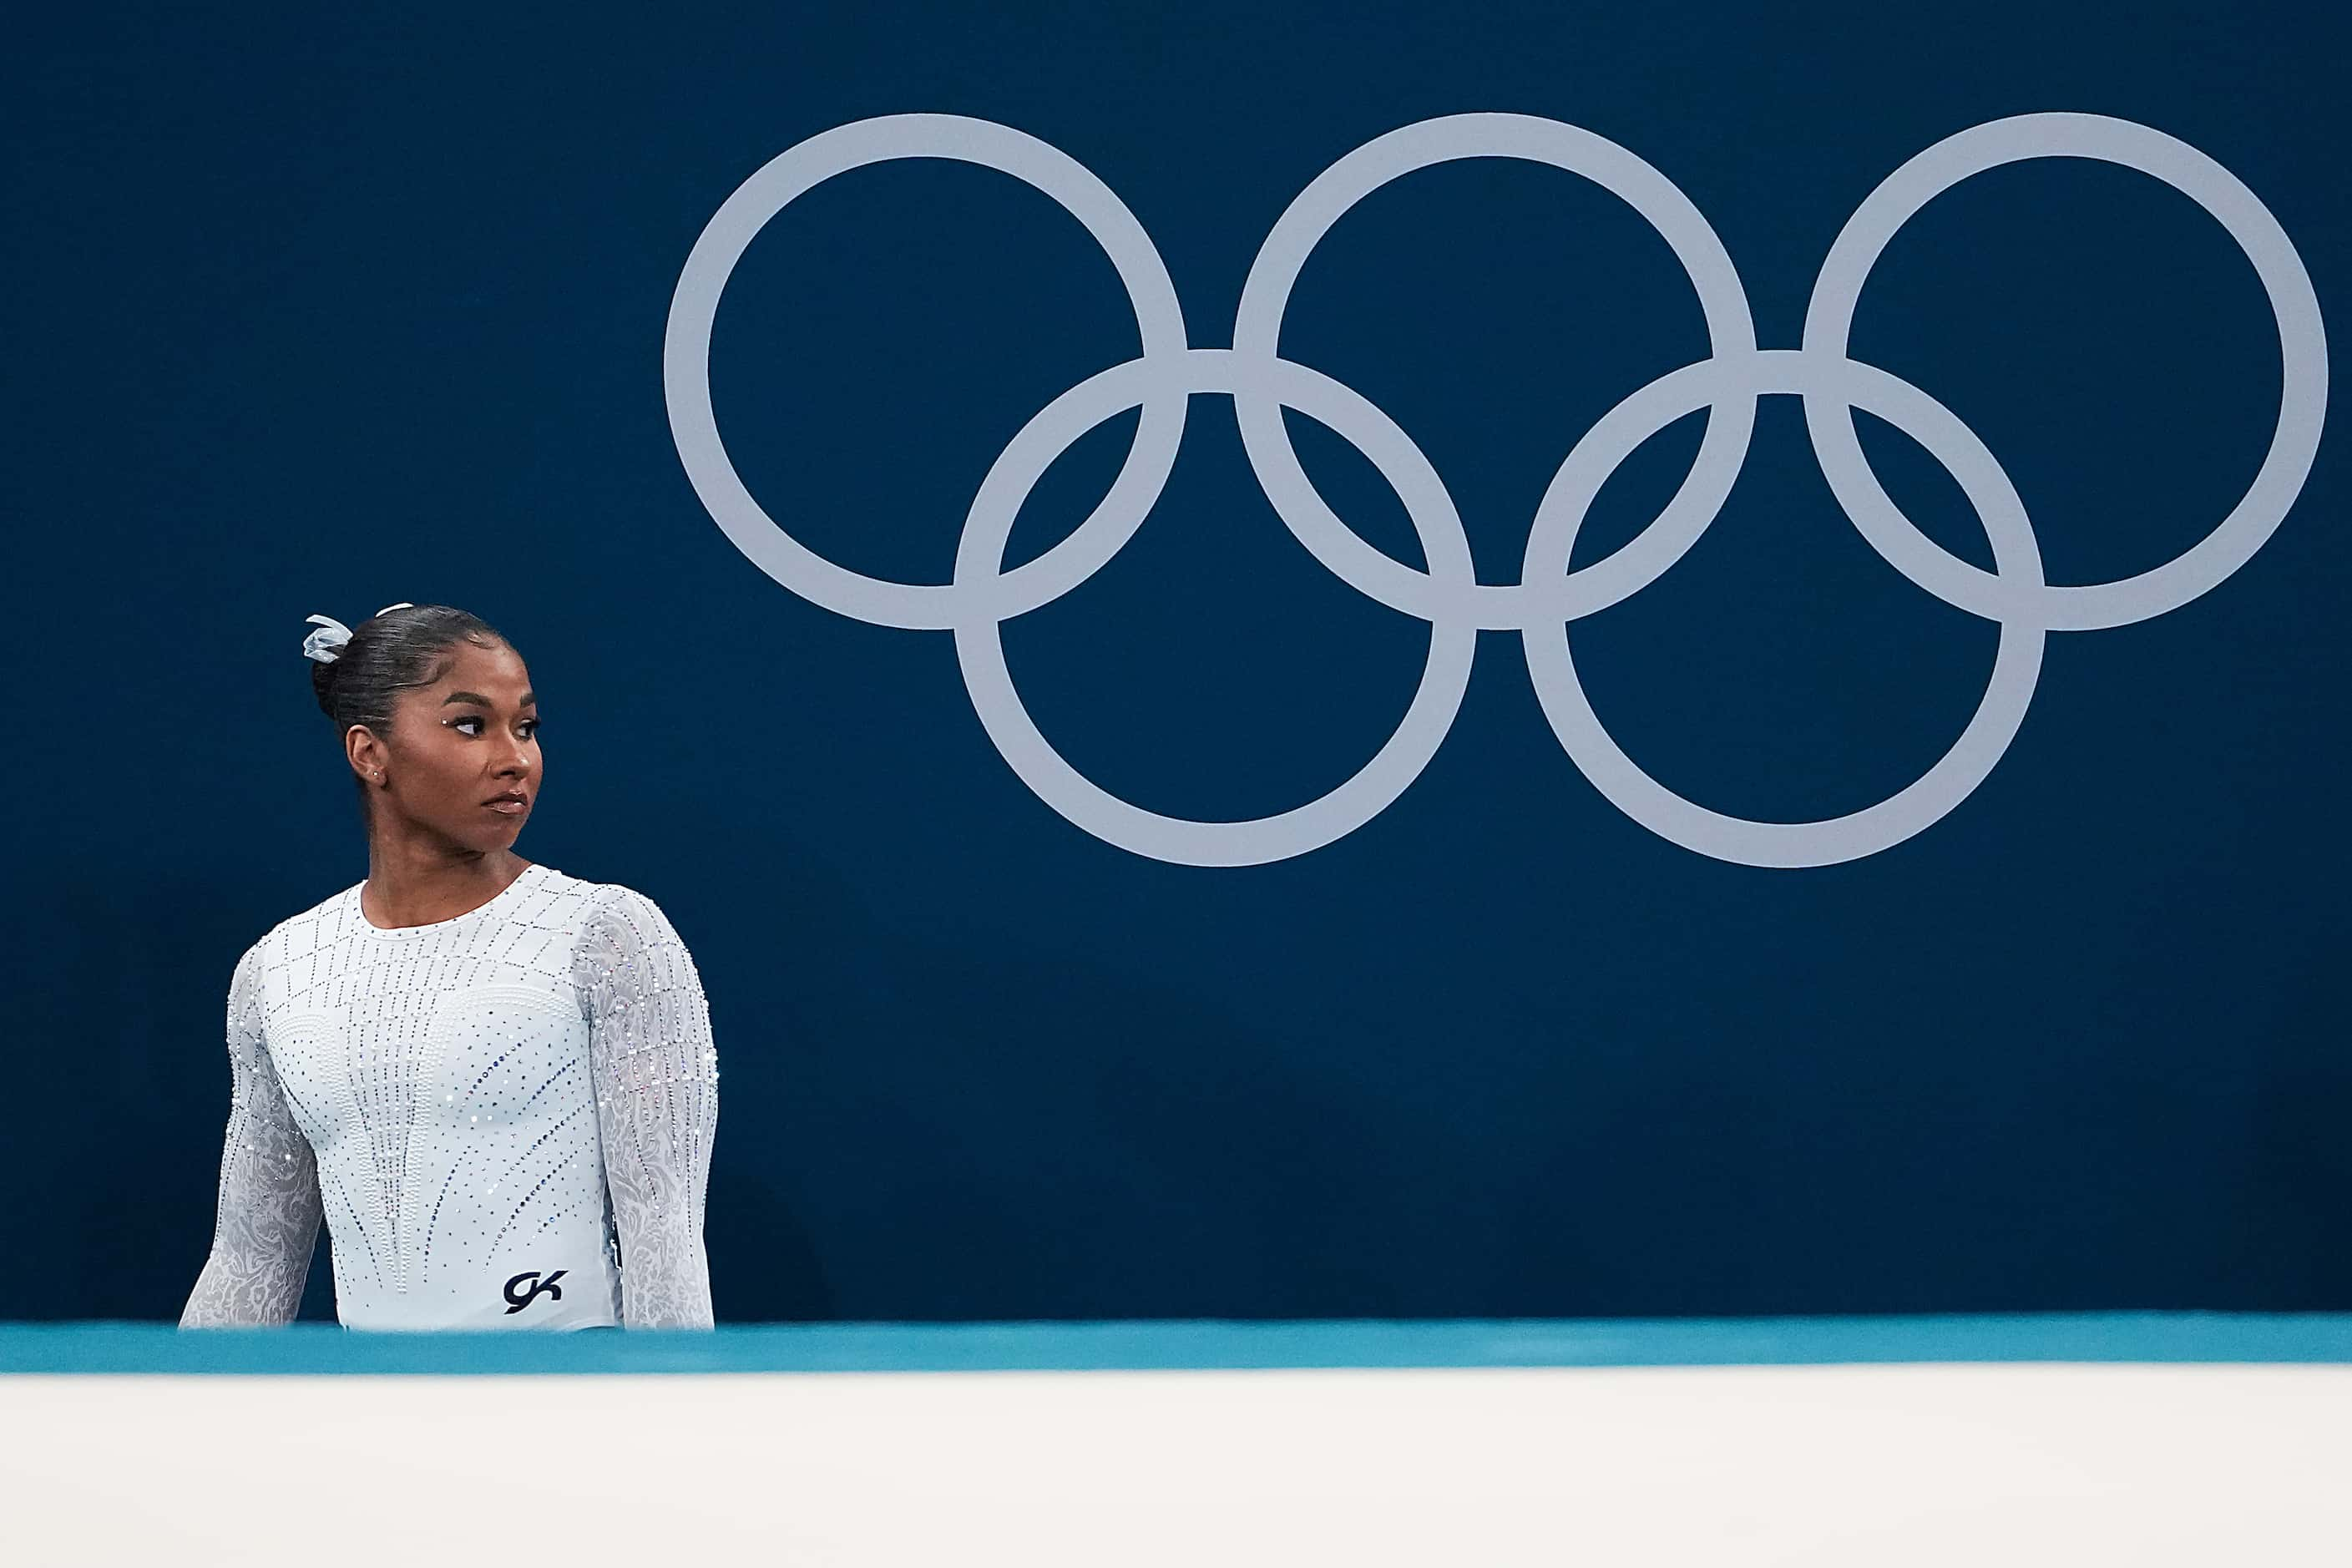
{"x": 309, "y": 1348}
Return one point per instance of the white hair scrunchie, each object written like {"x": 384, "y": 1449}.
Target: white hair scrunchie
{"x": 326, "y": 644}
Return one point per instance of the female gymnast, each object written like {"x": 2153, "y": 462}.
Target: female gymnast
{"x": 495, "y": 1081}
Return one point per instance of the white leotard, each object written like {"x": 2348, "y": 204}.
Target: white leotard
{"x": 505, "y": 1117}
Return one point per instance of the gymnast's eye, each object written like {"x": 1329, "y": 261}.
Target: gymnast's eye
{"x": 531, "y": 724}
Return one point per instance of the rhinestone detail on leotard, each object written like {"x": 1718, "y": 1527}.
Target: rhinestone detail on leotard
{"x": 422, "y": 1088}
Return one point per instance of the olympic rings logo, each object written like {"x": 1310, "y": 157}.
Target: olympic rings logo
{"x": 1548, "y": 597}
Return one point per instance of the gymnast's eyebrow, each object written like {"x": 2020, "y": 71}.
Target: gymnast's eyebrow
{"x": 477, "y": 697}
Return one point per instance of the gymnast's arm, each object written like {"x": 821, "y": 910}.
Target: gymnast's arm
{"x": 657, "y": 1078}
{"x": 267, "y": 1222}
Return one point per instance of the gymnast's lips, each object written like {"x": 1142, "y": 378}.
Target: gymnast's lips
{"x": 514, "y": 802}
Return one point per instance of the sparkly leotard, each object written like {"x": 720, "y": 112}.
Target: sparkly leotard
{"x": 505, "y": 1118}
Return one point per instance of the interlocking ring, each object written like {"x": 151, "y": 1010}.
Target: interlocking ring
{"x": 1548, "y": 595}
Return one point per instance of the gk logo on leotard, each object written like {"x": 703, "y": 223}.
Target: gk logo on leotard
{"x": 554, "y": 1292}
{"x": 1548, "y": 597}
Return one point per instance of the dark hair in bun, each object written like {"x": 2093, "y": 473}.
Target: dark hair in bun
{"x": 394, "y": 651}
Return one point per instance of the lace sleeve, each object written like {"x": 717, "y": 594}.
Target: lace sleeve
{"x": 267, "y": 1221}
{"x": 656, "y": 1076}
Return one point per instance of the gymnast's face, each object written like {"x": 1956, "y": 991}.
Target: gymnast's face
{"x": 459, "y": 746}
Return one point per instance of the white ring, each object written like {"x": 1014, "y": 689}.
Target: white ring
{"x": 2017, "y": 665}
{"x": 980, "y": 647}
{"x": 2303, "y": 352}
{"x": 685, "y": 368}
{"x": 1257, "y": 333}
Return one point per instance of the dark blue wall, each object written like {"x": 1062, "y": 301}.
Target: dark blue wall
{"x": 309, "y": 314}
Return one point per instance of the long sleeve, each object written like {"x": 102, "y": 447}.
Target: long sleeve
{"x": 656, "y": 1080}
{"x": 267, "y": 1221}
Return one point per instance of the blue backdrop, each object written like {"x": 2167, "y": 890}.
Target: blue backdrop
{"x": 311, "y": 313}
